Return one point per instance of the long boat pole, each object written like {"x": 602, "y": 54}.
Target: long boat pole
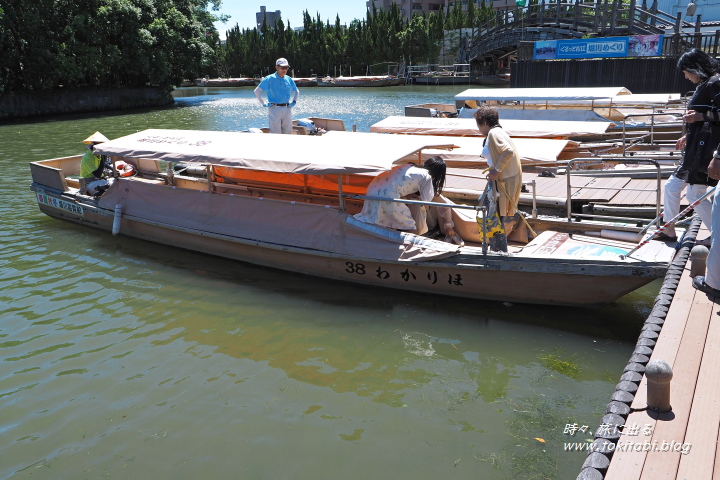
{"x": 674, "y": 219}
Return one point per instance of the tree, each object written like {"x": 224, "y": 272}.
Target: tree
{"x": 51, "y": 44}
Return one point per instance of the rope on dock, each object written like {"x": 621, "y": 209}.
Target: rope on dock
{"x": 598, "y": 460}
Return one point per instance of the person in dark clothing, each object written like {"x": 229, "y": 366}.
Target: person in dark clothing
{"x": 701, "y": 140}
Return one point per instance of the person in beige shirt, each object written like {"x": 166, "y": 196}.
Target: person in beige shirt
{"x": 504, "y": 162}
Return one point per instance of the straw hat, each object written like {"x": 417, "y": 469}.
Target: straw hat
{"x": 96, "y": 137}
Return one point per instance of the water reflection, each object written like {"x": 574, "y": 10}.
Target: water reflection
{"x": 128, "y": 359}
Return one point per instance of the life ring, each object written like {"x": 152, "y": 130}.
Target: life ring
{"x": 125, "y": 169}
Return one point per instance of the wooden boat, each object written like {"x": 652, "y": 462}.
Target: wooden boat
{"x": 496, "y": 80}
{"x": 299, "y": 82}
{"x": 362, "y": 81}
{"x": 286, "y": 202}
{"x": 466, "y": 127}
{"x": 659, "y": 115}
{"x": 456, "y": 74}
{"x": 225, "y": 82}
{"x": 306, "y": 82}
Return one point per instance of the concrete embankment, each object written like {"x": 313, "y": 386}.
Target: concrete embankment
{"x": 28, "y": 105}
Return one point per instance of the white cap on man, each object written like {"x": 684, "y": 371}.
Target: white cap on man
{"x": 281, "y": 62}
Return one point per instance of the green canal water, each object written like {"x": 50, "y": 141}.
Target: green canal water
{"x": 124, "y": 359}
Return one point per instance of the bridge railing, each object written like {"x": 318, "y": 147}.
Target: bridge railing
{"x": 597, "y": 18}
{"x": 680, "y": 43}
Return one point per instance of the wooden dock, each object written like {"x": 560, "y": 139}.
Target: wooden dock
{"x": 681, "y": 444}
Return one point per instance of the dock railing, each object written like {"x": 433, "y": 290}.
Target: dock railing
{"x": 650, "y": 134}
{"x": 599, "y": 161}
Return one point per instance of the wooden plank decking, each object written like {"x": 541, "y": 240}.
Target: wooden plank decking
{"x": 682, "y": 444}
{"x": 615, "y": 191}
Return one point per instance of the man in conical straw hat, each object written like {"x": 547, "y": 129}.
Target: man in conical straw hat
{"x": 91, "y": 166}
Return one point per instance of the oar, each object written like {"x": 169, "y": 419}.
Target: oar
{"x": 676, "y": 218}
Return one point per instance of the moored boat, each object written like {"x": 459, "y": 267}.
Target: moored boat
{"x": 225, "y": 82}
{"x": 633, "y": 115}
{"x": 456, "y": 74}
{"x": 357, "y": 81}
{"x": 306, "y": 82}
{"x": 286, "y": 201}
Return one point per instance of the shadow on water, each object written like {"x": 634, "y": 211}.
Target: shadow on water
{"x": 619, "y": 321}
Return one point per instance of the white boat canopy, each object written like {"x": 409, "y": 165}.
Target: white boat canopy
{"x": 341, "y": 153}
{"x": 541, "y": 94}
{"x": 463, "y": 127}
{"x": 469, "y": 150}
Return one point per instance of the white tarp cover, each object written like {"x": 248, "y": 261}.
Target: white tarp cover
{"x": 463, "y": 127}
{"x": 532, "y": 150}
{"x": 344, "y": 153}
{"x": 541, "y": 115}
{"x": 277, "y": 222}
{"x": 647, "y": 98}
{"x": 550, "y": 94}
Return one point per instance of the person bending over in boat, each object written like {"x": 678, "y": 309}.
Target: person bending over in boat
{"x": 91, "y": 165}
{"x": 504, "y": 162}
{"x": 701, "y": 140}
{"x": 280, "y": 88}
{"x": 411, "y": 183}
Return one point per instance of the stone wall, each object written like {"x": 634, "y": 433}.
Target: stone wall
{"x": 28, "y": 105}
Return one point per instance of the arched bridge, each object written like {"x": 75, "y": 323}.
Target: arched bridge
{"x": 502, "y": 34}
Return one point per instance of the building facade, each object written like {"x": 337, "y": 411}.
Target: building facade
{"x": 408, "y": 7}
{"x": 264, "y": 16}
{"x": 708, "y": 9}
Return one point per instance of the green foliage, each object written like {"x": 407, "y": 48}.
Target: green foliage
{"x": 322, "y": 47}
{"x": 50, "y": 44}
{"x": 558, "y": 361}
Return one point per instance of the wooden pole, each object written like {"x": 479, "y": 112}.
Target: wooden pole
{"x": 577, "y": 13}
{"x": 598, "y": 7}
{"x": 603, "y": 25}
{"x": 557, "y": 13}
{"x": 613, "y": 17}
{"x": 653, "y": 10}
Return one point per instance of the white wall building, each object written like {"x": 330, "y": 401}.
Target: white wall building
{"x": 708, "y": 9}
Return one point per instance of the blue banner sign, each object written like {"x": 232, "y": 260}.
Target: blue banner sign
{"x": 633, "y": 46}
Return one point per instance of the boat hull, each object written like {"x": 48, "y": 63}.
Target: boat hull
{"x": 356, "y": 83}
{"x": 484, "y": 278}
{"x": 442, "y": 80}
{"x": 226, "y": 82}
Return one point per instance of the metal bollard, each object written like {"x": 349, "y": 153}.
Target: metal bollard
{"x": 658, "y": 374}
{"x": 698, "y": 259}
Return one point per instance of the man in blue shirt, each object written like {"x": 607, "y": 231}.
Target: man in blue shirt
{"x": 280, "y": 88}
